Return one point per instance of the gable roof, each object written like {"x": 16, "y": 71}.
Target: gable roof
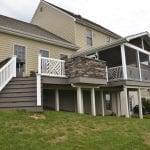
{"x": 30, "y": 29}
{"x": 84, "y": 21}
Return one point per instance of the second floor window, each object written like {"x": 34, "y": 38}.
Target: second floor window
{"x": 44, "y": 53}
{"x": 89, "y": 37}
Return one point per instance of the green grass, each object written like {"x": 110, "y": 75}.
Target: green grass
{"x": 70, "y": 131}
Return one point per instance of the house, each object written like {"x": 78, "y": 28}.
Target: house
{"x": 63, "y": 61}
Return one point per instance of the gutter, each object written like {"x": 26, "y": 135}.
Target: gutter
{"x": 37, "y": 37}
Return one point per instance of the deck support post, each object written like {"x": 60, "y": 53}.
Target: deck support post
{"x": 79, "y": 100}
{"x": 118, "y": 104}
{"x": 140, "y": 104}
{"x": 93, "y": 108}
{"x": 39, "y": 64}
{"x": 126, "y": 102}
{"x": 38, "y": 90}
{"x": 102, "y": 103}
{"x": 57, "y": 100}
{"x": 123, "y": 58}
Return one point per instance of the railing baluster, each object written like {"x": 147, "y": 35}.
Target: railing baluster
{"x": 53, "y": 67}
{"x": 7, "y": 72}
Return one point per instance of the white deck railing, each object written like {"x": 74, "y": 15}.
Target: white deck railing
{"x": 115, "y": 73}
{"x": 51, "y": 67}
{"x": 145, "y": 75}
{"x": 133, "y": 73}
{"x": 7, "y": 72}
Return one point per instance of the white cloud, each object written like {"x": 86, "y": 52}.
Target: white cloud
{"x": 121, "y": 16}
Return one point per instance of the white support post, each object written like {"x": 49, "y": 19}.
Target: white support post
{"x": 102, "y": 104}
{"x": 118, "y": 104}
{"x": 123, "y": 57}
{"x": 142, "y": 43}
{"x": 93, "y": 108}
{"x": 140, "y": 104}
{"x": 39, "y": 64}
{"x": 57, "y": 100}
{"x": 38, "y": 90}
{"x": 126, "y": 102}
{"x": 139, "y": 65}
{"x": 14, "y": 68}
{"x": 79, "y": 100}
{"x": 106, "y": 73}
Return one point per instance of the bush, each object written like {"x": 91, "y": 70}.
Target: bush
{"x": 146, "y": 104}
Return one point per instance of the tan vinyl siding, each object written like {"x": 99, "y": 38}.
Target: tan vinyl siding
{"x": 80, "y": 37}
{"x": 32, "y": 50}
{"x": 54, "y": 21}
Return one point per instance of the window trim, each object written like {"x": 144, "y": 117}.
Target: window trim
{"x": 20, "y": 44}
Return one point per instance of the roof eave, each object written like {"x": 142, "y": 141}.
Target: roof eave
{"x": 128, "y": 38}
{"x": 37, "y": 37}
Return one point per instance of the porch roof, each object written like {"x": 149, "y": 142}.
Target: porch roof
{"x": 112, "y": 44}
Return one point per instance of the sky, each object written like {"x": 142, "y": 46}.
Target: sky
{"x": 124, "y": 17}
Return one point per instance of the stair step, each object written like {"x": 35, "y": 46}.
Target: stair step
{"x": 17, "y": 99}
{"x": 23, "y": 94}
{"x": 23, "y": 82}
{"x": 11, "y": 86}
{"x": 17, "y": 104}
{"x": 23, "y": 78}
{"x": 18, "y": 90}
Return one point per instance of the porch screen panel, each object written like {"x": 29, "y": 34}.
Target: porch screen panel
{"x": 132, "y": 64}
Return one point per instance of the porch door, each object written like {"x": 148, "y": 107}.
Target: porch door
{"x": 108, "y": 103}
{"x": 19, "y": 51}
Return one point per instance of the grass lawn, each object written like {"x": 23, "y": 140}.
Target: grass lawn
{"x": 70, "y": 131}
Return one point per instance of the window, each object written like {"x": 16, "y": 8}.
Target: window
{"x": 41, "y": 9}
{"x": 108, "y": 39}
{"x": 44, "y": 53}
{"x": 63, "y": 56}
{"x": 19, "y": 51}
{"x": 89, "y": 37}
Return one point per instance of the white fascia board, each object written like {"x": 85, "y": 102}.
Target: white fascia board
{"x": 137, "y": 35}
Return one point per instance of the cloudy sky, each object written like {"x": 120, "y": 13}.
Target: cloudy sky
{"x": 124, "y": 17}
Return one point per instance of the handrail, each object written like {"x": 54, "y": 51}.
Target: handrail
{"x": 7, "y": 72}
{"x": 51, "y": 67}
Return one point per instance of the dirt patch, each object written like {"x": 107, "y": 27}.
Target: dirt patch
{"x": 60, "y": 136}
{"x": 146, "y": 138}
{"x": 38, "y": 116}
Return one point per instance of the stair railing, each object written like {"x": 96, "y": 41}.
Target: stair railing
{"x": 7, "y": 72}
